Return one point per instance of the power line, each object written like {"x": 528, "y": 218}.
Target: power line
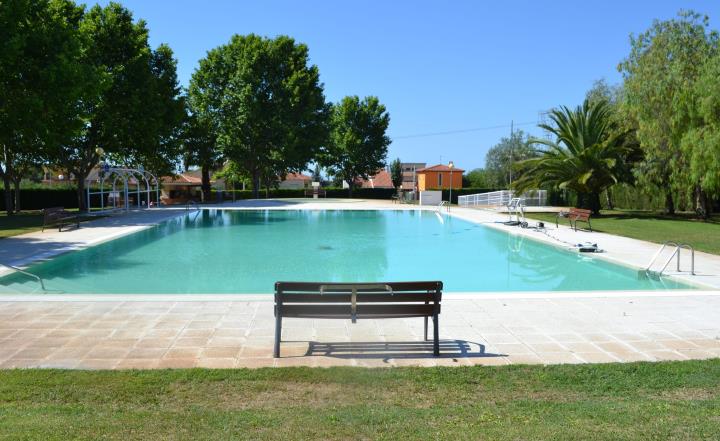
{"x": 452, "y": 132}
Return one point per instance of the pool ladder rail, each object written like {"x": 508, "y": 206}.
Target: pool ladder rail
{"x": 675, "y": 254}
{"x": 31, "y": 275}
{"x": 192, "y": 203}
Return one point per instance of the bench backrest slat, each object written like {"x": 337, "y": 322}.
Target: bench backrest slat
{"x": 580, "y": 213}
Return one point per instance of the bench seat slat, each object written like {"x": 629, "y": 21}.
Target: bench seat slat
{"x": 363, "y": 311}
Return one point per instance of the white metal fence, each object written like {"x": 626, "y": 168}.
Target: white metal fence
{"x": 532, "y": 198}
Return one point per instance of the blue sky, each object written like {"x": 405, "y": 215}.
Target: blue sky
{"x": 437, "y": 66}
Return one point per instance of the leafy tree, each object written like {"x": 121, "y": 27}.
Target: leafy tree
{"x": 358, "y": 144}
{"x": 396, "y": 173}
{"x": 478, "y": 178}
{"x": 129, "y": 105}
{"x": 664, "y": 64}
{"x": 200, "y": 149}
{"x": 624, "y": 123}
{"x": 500, "y": 159}
{"x": 701, "y": 144}
{"x": 265, "y": 102}
{"x": 38, "y": 44}
{"x": 584, "y": 157}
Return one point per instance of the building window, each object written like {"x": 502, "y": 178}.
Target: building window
{"x": 440, "y": 180}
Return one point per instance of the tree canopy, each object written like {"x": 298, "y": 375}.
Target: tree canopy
{"x": 265, "y": 102}
{"x": 38, "y": 49}
{"x": 584, "y": 156}
{"x": 358, "y": 143}
{"x": 500, "y": 160}
{"x": 664, "y": 64}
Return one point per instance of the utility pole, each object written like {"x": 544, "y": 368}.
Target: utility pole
{"x": 511, "y": 152}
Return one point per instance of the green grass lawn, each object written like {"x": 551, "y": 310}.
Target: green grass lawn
{"x": 20, "y": 223}
{"x": 652, "y": 227}
{"x": 673, "y": 400}
{"x": 25, "y": 222}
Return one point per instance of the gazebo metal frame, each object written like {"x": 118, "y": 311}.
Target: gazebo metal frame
{"x": 123, "y": 178}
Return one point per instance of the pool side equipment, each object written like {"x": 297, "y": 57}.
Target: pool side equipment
{"x": 515, "y": 207}
{"x": 587, "y": 247}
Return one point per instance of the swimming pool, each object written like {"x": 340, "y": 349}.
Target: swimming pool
{"x": 237, "y": 251}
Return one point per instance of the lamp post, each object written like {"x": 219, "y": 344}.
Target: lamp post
{"x": 451, "y": 165}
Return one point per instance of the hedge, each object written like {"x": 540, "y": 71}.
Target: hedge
{"x": 361, "y": 193}
{"x": 39, "y": 198}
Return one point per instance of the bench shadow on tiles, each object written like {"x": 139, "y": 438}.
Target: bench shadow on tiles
{"x": 394, "y": 349}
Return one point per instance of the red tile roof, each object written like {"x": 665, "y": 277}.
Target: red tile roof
{"x": 182, "y": 179}
{"x": 297, "y": 177}
{"x": 381, "y": 179}
{"x": 439, "y": 168}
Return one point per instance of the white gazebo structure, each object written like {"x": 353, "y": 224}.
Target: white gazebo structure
{"x": 115, "y": 192}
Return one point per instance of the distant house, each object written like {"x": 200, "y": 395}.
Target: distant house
{"x": 182, "y": 187}
{"x": 409, "y": 174}
{"x": 439, "y": 177}
{"x": 295, "y": 180}
{"x": 381, "y": 179}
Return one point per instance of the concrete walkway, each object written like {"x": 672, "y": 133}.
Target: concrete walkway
{"x": 104, "y": 331}
{"x": 572, "y": 328}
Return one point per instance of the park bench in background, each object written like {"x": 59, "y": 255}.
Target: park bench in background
{"x": 60, "y": 217}
{"x": 574, "y": 215}
{"x": 358, "y": 301}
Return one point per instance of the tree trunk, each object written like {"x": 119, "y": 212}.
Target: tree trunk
{"x": 16, "y": 184}
{"x": 8, "y": 195}
{"x": 702, "y": 208}
{"x": 608, "y": 199}
{"x": 81, "y": 193}
{"x": 256, "y": 184}
{"x": 206, "y": 183}
{"x": 350, "y": 188}
{"x": 594, "y": 200}
{"x": 669, "y": 203}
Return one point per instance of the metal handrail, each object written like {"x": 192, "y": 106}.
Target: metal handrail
{"x": 31, "y": 275}
{"x": 191, "y": 202}
{"x": 674, "y": 254}
{"x": 442, "y": 204}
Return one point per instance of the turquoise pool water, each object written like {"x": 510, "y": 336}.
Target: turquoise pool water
{"x": 216, "y": 251}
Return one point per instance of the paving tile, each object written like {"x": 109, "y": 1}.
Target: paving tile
{"x": 146, "y": 353}
{"x": 216, "y": 363}
{"x": 220, "y": 352}
{"x": 524, "y": 359}
{"x": 96, "y": 364}
{"x": 184, "y": 353}
{"x": 254, "y": 362}
{"x": 177, "y": 363}
{"x": 666, "y": 355}
{"x": 107, "y": 353}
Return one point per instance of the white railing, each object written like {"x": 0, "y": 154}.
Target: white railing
{"x": 532, "y": 198}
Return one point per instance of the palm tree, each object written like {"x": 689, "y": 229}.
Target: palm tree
{"x": 587, "y": 155}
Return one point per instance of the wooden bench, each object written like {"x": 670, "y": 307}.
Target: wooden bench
{"x": 60, "y": 217}
{"x": 310, "y": 192}
{"x": 574, "y": 215}
{"x": 358, "y": 301}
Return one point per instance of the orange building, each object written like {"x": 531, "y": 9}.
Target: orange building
{"x": 439, "y": 177}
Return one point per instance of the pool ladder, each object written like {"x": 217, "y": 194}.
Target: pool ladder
{"x": 675, "y": 254}
{"x": 192, "y": 203}
{"x": 31, "y": 275}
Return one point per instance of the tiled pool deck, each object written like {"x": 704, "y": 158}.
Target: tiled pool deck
{"x": 97, "y": 332}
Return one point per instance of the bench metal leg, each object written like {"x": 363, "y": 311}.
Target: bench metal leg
{"x": 436, "y": 336}
{"x": 278, "y": 333}
{"x": 426, "y": 328}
